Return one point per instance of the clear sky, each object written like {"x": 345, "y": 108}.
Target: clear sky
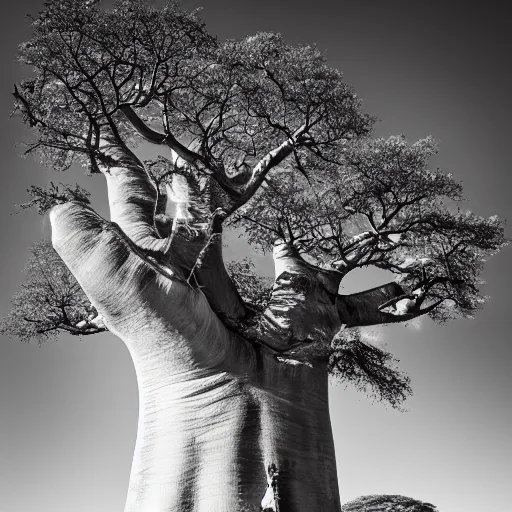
{"x": 68, "y": 410}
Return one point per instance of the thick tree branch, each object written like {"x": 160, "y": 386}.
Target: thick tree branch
{"x": 168, "y": 139}
{"x": 191, "y": 157}
{"x": 203, "y": 258}
{"x": 76, "y": 331}
{"x": 268, "y": 162}
{"x": 367, "y": 308}
{"x": 301, "y": 309}
{"x": 141, "y": 127}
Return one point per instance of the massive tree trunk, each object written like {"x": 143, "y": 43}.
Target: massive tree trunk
{"x": 233, "y": 401}
{"x": 206, "y": 437}
{"x": 217, "y": 409}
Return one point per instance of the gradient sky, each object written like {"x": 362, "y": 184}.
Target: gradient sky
{"x": 68, "y": 410}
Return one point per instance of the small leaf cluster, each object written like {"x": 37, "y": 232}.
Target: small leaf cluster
{"x": 369, "y": 368}
{"x": 45, "y": 198}
{"x": 49, "y": 301}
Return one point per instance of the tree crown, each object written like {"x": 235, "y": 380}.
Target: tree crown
{"x": 263, "y": 136}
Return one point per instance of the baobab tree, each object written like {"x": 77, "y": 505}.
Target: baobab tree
{"x": 265, "y": 137}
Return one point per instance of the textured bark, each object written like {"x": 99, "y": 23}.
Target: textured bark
{"x": 206, "y": 437}
{"x": 132, "y": 197}
{"x": 215, "y": 409}
{"x": 302, "y": 307}
{"x": 218, "y": 405}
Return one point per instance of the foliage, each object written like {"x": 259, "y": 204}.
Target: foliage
{"x": 236, "y": 99}
{"x": 88, "y": 62}
{"x": 369, "y": 368}
{"x": 254, "y": 289}
{"x": 50, "y": 300}
{"x": 387, "y": 503}
{"x": 267, "y": 137}
{"x": 44, "y": 198}
{"x": 382, "y": 206}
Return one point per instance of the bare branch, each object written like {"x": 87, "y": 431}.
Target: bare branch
{"x": 268, "y": 162}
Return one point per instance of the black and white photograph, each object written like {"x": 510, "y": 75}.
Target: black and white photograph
{"x": 255, "y": 256}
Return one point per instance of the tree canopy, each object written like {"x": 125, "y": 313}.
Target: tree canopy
{"x": 387, "y": 502}
{"x": 262, "y": 136}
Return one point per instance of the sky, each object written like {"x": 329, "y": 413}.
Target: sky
{"x": 68, "y": 409}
